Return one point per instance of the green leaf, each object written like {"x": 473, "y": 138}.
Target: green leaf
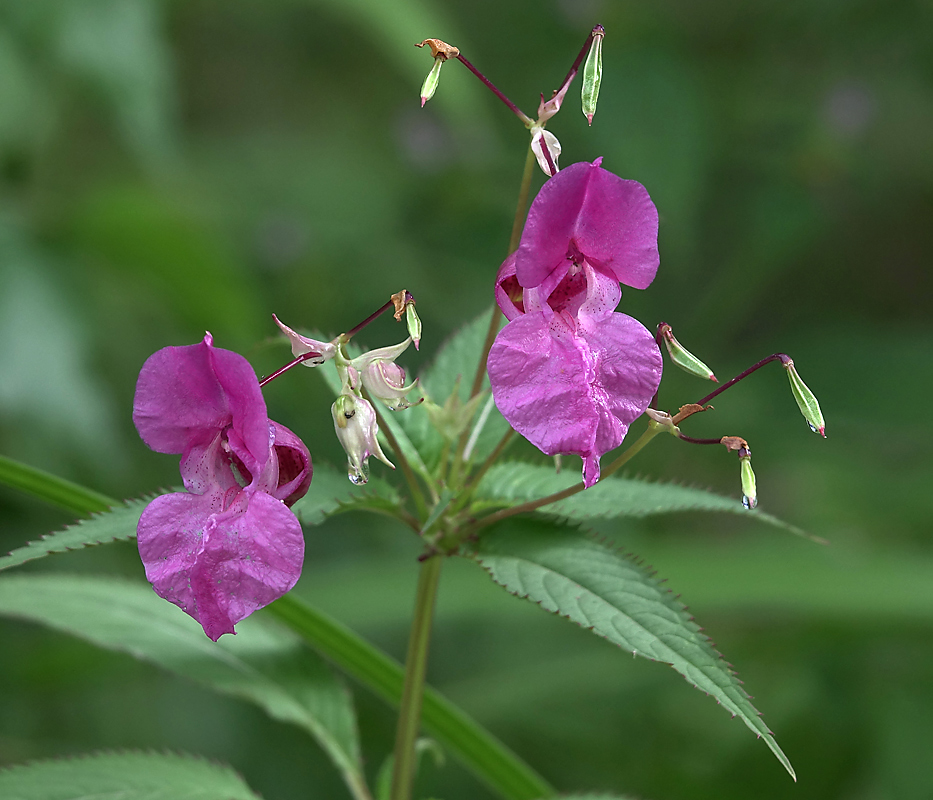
{"x": 110, "y": 526}
{"x": 477, "y": 749}
{"x": 594, "y": 585}
{"x": 457, "y": 358}
{"x": 331, "y": 493}
{"x": 127, "y": 776}
{"x": 514, "y": 483}
{"x": 263, "y": 664}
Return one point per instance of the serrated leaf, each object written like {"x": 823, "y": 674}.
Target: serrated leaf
{"x": 127, "y": 776}
{"x": 110, "y": 526}
{"x": 594, "y": 585}
{"x": 263, "y": 664}
{"x": 332, "y": 493}
{"x": 513, "y": 483}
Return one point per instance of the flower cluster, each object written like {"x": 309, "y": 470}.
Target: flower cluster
{"x": 568, "y": 372}
{"x": 229, "y": 545}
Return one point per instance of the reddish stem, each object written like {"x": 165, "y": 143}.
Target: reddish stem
{"x": 370, "y": 318}
{"x": 598, "y": 30}
{"x": 293, "y": 363}
{"x": 492, "y": 87}
{"x": 552, "y": 167}
{"x": 782, "y": 357}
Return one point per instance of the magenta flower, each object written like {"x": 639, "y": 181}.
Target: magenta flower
{"x": 229, "y": 545}
{"x": 568, "y": 372}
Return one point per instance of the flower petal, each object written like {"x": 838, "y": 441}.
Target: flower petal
{"x": 574, "y": 388}
{"x": 610, "y": 221}
{"x": 294, "y": 466}
{"x": 302, "y": 344}
{"x": 220, "y": 567}
{"x": 185, "y": 395}
{"x": 508, "y": 290}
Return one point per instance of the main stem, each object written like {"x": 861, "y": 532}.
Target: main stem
{"x": 416, "y": 662}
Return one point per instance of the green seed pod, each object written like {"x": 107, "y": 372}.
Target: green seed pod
{"x": 749, "y": 487}
{"x": 683, "y": 358}
{"x": 806, "y": 400}
{"x": 592, "y": 76}
{"x": 414, "y": 324}
{"x": 430, "y": 83}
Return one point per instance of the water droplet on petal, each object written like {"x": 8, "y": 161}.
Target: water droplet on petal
{"x": 812, "y": 427}
{"x": 357, "y": 478}
{"x": 749, "y": 502}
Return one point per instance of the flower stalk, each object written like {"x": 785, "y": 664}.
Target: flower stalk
{"x": 409, "y": 720}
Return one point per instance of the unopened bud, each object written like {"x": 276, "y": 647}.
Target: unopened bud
{"x": 548, "y": 108}
{"x": 414, "y": 324}
{"x": 592, "y": 74}
{"x": 386, "y": 380}
{"x": 546, "y": 148}
{"x": 382, "y": 377}
{"x": 430, "y": 83}
{"x": 683, "y": 358}
{"x": 749, "y": 487}
{"x": 441, "y": 52}
{"x": 357, "y": 431}
{"x": 806, "y": 400}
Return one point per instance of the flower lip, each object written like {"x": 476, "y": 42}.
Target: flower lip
{"x": 587, "y": 211}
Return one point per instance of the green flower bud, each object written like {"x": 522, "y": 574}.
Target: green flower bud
{"x": 414, "y": 324}
{"x": 592, "y": 74}
{"x": 749, "y": 488}
{"x": 806, "y": 400}
{"x": 683, "y": 358}
{"x": 430, "y": 83}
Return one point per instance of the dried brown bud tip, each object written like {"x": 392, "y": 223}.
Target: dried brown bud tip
{"x": 734, "y": 443}
{"x": 440, "y": 49}
{"x": 401, "y": 300}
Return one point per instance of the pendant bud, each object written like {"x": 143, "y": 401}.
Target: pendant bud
{"x": 357, "y": 431}
{"x": 806, "y": 400}
{"x": 546, "y": 148}
{"x": 749, "y": 486}
{"x": 682, "y": 357}
{"x": 592, "y": 74}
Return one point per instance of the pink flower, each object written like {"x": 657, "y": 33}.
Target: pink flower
{"x": 229, "y": 545}
{"x": 568, "y": 372}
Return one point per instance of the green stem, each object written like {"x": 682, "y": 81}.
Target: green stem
{"x": 476, "y": 477}
{"x": 479, "y": 751}
{"x": 652, "y": 431}
{"x": 518, "y": 223}
{"x": 409, "y": 719}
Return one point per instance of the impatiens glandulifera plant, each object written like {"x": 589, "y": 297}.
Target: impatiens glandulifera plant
{"x": 567, "y": 371}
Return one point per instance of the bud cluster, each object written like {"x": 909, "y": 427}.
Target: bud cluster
{"x": 373, "y": 373}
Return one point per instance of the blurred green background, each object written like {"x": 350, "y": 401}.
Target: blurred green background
{"x": 168, "y": 168}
